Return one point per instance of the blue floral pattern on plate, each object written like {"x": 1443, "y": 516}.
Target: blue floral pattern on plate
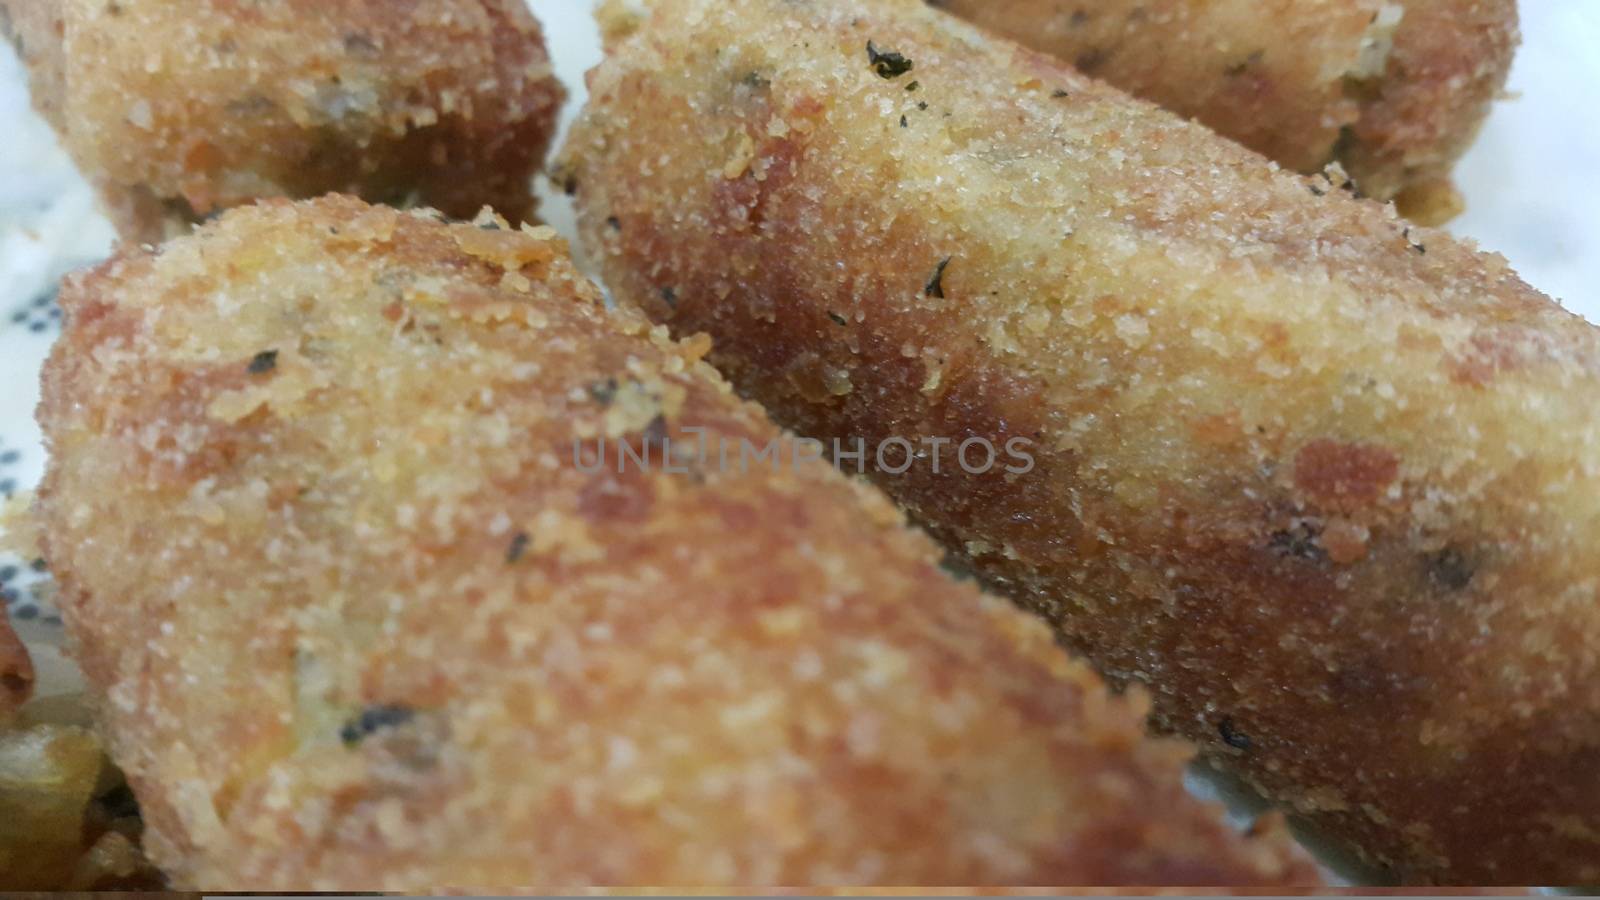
{"x": 25, "y": 334}
{"x": 48, "y": 226}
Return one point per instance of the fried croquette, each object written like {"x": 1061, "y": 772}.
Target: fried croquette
{"x": 1389, "y": 94}
{"x": 1322, "y": 480}
{"x": 1392, "y": 90}
{"x": 174, "y": 111}
{"x": 351, "y": 527}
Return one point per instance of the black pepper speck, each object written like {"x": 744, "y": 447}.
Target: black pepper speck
{"x": 887, "y": 63}
{"x": 1231, "y": 734}
{"x": 604, "y": 392}
{"x": 263, "y": 362}
{"x": 1450, "y": 569}
{"x": 372, "y": 719}
{"x": 519, "y": 546}
{"x": 935, "y": 285}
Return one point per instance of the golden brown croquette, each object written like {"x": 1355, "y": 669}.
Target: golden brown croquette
{"x": 1325, "y": 482}
{"x": 1393, "y": 90}
{"x": 175, "y": 111}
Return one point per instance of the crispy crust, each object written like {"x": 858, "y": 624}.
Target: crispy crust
{"x": 1305, "y": 82}
{"x": 176, "y": 111}
{"x": 1322, "y": 480}
{"x": 569, "y": 678}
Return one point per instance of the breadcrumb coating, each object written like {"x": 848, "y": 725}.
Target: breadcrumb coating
{"x": 1324, "y": 481}
{"x": 175, "y": 111}
{"x": 361, "y": 619}
{"x": 1393, "y": 90}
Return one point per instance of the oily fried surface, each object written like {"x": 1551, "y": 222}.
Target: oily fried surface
{"x": 1324, "y": 481}
{"x": 177, "y": 110}
{"x": 360, "y": 620}
{"x": 1392, "y": 89}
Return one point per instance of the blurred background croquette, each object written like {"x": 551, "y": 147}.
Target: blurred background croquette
{"x": 174, "y": 111}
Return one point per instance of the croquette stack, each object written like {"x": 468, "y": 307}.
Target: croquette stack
{"x": 486, "y": 647}
{"x": 396, "y": 560}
